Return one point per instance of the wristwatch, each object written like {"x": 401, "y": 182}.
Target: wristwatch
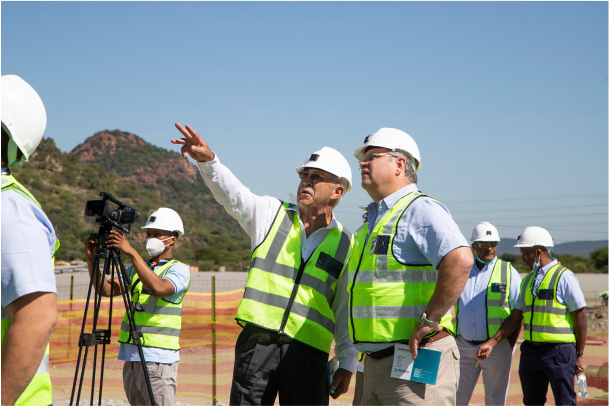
{"x": 428, "y": 323}
{"x": 579, "y": 354}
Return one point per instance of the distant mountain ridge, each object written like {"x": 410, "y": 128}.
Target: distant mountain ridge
{"x": 141, "y": 175}
{"x": 576, "y": 248}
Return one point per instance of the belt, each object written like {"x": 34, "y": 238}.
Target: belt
{"x": 388, "y": 352}
{"x": 476, "y": 342}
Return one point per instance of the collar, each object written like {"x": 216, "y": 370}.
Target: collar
{"x": 6, "y": 171}
{"x": 546, "y": 268}
{"x": 393, "y": 198}
{"x": 333, "y": 222}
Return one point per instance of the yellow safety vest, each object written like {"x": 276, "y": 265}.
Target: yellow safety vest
{"x": 39, "y": 391}
{"x": 497, "y": 298}
{"x": 158, "y": 320}
{"x": 387, "y": 297}
{"x": 545, "y": 319}
{"x": 284, "y": 293}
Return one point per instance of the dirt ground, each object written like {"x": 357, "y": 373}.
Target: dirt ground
{"x": 597, "y": 319}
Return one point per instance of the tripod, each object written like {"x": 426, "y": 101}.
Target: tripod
{"x": 112, "y": 264}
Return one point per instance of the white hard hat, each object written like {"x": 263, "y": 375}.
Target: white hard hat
{"x": 165, "y": 219}
{"x": 532, "y": 236}
{"x": 392, "y": 139}
{"x": 485, "y": 231}
{"x": 330, "y": 160}
{"x": 23, "y": 115}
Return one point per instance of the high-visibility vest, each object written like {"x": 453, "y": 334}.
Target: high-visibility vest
{"x": 158, "y": 320}
{"x": 286, "y": 294}
{"x": 545, "y": 319}
{"x": 497, "y": 298}
{"x": 387, "y": 297}
{"x": 39, "y": 391}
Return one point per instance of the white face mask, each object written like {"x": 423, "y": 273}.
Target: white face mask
{"x": 155, "y": 247}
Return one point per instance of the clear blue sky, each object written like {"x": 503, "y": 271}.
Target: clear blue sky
{"x": 507, "y": 101}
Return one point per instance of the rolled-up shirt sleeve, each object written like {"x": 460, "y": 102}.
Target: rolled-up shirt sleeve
{"x": 569, "y": 293}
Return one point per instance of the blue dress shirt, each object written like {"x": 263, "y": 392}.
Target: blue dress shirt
{"x": 425, "y": 234}
{"x": 472, "y": 302}
{"x": 28, "y": 243}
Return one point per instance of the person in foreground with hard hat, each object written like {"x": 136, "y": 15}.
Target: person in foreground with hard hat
{"x": 554, "y": 314}
{"x": 409, "y": 265}
{"x": 29, "y": 243}
{"x": 158, "y": 288}
{"x": 295, "y": 301}
{"x": 491, "y": 292}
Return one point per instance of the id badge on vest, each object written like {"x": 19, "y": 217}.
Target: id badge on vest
{"x": 380, "y": 245}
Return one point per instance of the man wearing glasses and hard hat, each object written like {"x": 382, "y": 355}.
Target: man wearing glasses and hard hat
{"x": 295, "y": 301}
{"x": 409, "y": 265}
{"x": 158, "y": 288}
{"x": 492, "y": 291}
{"x": 29, "y": 243}
{"x": 555, "y": 324}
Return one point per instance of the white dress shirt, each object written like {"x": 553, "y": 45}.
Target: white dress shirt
{"x": 256, "y": 214}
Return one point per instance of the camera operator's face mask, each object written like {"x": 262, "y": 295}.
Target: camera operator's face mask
{"x": 155, "y": 247}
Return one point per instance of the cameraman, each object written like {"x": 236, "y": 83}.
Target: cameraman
{"x": 158, "y": 288}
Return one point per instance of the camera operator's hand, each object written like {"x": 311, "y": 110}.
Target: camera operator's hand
{"x": 91, "y": 245}
{"x": 193, "y": 145}
{"x": 118, "y": 240}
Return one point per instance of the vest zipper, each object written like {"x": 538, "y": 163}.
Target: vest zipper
{"x": 288, "y": 308}
{"x": 353, "y": 286}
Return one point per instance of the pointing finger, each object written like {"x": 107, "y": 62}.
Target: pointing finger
{"x": 184, "y": 132}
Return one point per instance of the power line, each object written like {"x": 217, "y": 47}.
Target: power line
{"x": 525, "y": 198}
{"x": 553, "y": 229}
{"x": 551, "y": 208}
{"x": 553, "y": 215}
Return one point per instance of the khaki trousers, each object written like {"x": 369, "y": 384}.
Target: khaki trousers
{"x": 381, "y": 389}
{"x": 163, "y": 379}
{"x": 495, "y": 372}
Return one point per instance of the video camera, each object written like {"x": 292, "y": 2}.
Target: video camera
{"x": 110, "y": 219}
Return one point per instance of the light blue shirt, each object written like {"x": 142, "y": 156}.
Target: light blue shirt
{"x": 179, "y": 275}
{"x": 28, "y": 243}
{"x": 472, "y": 302}
{"x": 425, "y": 234}
{"x": 568, "y": 292}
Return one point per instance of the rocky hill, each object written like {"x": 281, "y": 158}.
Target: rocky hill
{"x": 142, "y": 175}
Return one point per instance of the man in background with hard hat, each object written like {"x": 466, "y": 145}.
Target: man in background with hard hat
{"x": 554, "y": 314}
{"x": 295, "y": 301}
{"x": 409, "y": 265}
{"x": 158, "y": 288}
{"x": 29, "y": 292}
{"x": 491, "y": 292}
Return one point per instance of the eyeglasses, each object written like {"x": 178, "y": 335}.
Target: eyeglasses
{"x": 485, "y": 245}
{"x": 315, "y": 177}
{"x": 371, "y": 156}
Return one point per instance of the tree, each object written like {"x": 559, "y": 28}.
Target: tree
{"x": 599, "y": 257}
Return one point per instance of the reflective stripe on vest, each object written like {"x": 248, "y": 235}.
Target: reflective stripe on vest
{"x": 497, "y": 298}
{"x": 387, "y": 297}
{"x": 39, "y": 391}
{"x": 545, "y": 319}
{"x": 284, "y": 293}
{"x": 158, "y": 320}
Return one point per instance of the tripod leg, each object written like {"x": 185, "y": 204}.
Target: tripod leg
{"x": 132, "y": 330}
{"x": 82, "y": 330}
{"x": 103, "y": 361}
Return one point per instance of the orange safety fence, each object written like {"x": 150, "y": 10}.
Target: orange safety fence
{"x": 195, "y": 368}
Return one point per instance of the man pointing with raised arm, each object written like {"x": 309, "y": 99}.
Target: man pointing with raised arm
{"x": 295, "y": 301}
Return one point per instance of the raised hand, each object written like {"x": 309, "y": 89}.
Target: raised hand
{"x": 193, "y": 145}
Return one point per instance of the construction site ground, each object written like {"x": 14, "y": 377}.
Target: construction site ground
{"x": 195, "y": 368}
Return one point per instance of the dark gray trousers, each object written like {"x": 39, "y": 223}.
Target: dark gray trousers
{"x": 267, "y": 363}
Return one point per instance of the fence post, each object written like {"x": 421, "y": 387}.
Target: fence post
{"x": 213, "y": 339}
{"x": 72, "y": 287}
